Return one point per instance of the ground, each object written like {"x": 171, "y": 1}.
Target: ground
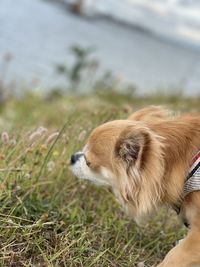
{"x": 50, "y": 218}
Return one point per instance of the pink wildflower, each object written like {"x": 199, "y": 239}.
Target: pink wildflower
{"x": 5, "y": 138}
{"x": 52, "y": 137}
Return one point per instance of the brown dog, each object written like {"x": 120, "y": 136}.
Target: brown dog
{"x": 146, "y": 160}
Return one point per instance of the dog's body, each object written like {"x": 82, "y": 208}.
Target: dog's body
{"x": 146, "y": 159}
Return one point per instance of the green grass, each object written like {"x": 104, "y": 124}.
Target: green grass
{"x": 48, "y": 217}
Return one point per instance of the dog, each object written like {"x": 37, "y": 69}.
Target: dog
{"x": 147, "y": 160}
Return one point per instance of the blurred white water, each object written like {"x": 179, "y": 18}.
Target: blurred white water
{"x": 178, "y": 20}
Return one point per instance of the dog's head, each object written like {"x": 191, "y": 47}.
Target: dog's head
{"x": 127, "y": 156}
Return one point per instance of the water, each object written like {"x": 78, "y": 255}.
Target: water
{"x": 178, "y": 20}
{"x": 38, "y": 33}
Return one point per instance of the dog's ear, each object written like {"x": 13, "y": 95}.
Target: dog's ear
{"x": 130, "y": 145}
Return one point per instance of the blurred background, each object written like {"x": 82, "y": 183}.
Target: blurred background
{"x": 148, "y": 45}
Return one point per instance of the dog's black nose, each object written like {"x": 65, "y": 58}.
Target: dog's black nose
{"x": 75, "y": 157}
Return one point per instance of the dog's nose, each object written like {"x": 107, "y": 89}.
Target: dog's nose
{"x": 75, "y": 157}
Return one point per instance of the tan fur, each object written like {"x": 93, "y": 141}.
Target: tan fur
{"x": 151, "y": 114}
{"x": 149, "y": 156}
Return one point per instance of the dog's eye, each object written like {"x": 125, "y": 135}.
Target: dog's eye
{"x": 88, "y": 163}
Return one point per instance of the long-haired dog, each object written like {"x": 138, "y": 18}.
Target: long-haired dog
{"x": 148, "y": 160}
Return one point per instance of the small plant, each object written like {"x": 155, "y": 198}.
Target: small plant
{"x": 83, "y": 75}
{"x": 80, "y": 74}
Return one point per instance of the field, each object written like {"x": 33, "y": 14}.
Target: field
{"x": 48, "y": 217}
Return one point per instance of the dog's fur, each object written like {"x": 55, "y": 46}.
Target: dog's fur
{"x": 145, "y": 159}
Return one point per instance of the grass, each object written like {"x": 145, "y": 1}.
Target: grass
{"x": 48, "y": 217}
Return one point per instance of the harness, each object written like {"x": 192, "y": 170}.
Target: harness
{"x": 193, "y": 179}
{"x": 192, "y": 182}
